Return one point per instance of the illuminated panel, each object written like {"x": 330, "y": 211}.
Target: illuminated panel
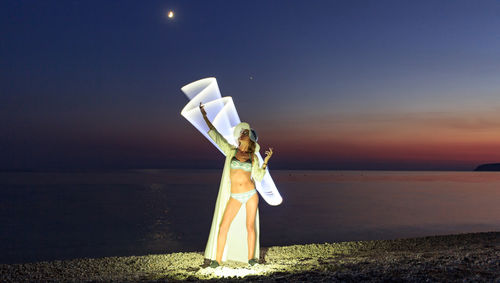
{"x": 222, "y": 113}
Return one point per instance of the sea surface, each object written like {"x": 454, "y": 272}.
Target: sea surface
{"x": 64, "y": 215}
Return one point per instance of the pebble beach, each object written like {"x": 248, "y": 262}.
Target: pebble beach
{"x": 470, "y": 257}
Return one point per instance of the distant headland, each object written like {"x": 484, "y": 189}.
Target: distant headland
{"x": 488, "y": 167}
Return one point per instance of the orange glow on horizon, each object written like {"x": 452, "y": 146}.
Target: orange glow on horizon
{"x": 424, "y": 137}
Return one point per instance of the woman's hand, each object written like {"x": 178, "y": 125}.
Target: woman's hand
{"x": 202, "y": 109}
{"x": 269, "y": 153}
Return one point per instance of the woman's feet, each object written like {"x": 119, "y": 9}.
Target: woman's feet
{"x": 214, "y": 264}
{"x": 252, "y": 261}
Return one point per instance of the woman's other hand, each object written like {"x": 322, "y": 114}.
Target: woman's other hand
{"x": 269, "y": 153}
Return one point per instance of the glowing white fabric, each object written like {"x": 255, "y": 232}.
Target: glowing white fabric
{"x": 223, "y": 115}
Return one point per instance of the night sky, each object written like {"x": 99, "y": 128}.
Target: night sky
{"x": 341, "y": 85}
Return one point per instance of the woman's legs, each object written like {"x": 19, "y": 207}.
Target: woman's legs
{"x": 232, "y": 208}
{"x": 252, "y": 204}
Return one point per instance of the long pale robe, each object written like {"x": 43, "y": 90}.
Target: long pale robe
{"x": 236, "y": 247}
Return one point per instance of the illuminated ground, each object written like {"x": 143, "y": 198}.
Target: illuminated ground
{"x": 474, "y": 256}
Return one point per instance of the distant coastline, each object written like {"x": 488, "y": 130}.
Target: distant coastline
{"x": 93, "y": 170}
{"x": 488, "y": 167}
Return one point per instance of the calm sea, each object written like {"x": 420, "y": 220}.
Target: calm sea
{"x": 55, "y": 215}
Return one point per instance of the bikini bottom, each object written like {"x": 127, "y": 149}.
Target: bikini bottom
{"x": 244, "y": 197}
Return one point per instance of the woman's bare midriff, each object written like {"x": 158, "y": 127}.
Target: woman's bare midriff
{"x": 240, "y": 181}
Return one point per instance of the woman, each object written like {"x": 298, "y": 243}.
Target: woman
{"x": 244, "y": 169}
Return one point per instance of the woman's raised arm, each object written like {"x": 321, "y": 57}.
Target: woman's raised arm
{"x": 215, "y": 135}
{"x": 204, "y": 113}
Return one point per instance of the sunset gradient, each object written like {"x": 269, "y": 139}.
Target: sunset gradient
{"x": 332, "y": 85}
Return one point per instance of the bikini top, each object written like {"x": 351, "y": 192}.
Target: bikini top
{"x": 236, "y": 164}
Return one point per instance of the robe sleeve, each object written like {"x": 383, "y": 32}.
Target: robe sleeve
{"x": 257, "y": 171}
{"x": 220, "y": 141}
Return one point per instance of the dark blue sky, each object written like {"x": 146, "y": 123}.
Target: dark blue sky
{"x": 398, "y": 85}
